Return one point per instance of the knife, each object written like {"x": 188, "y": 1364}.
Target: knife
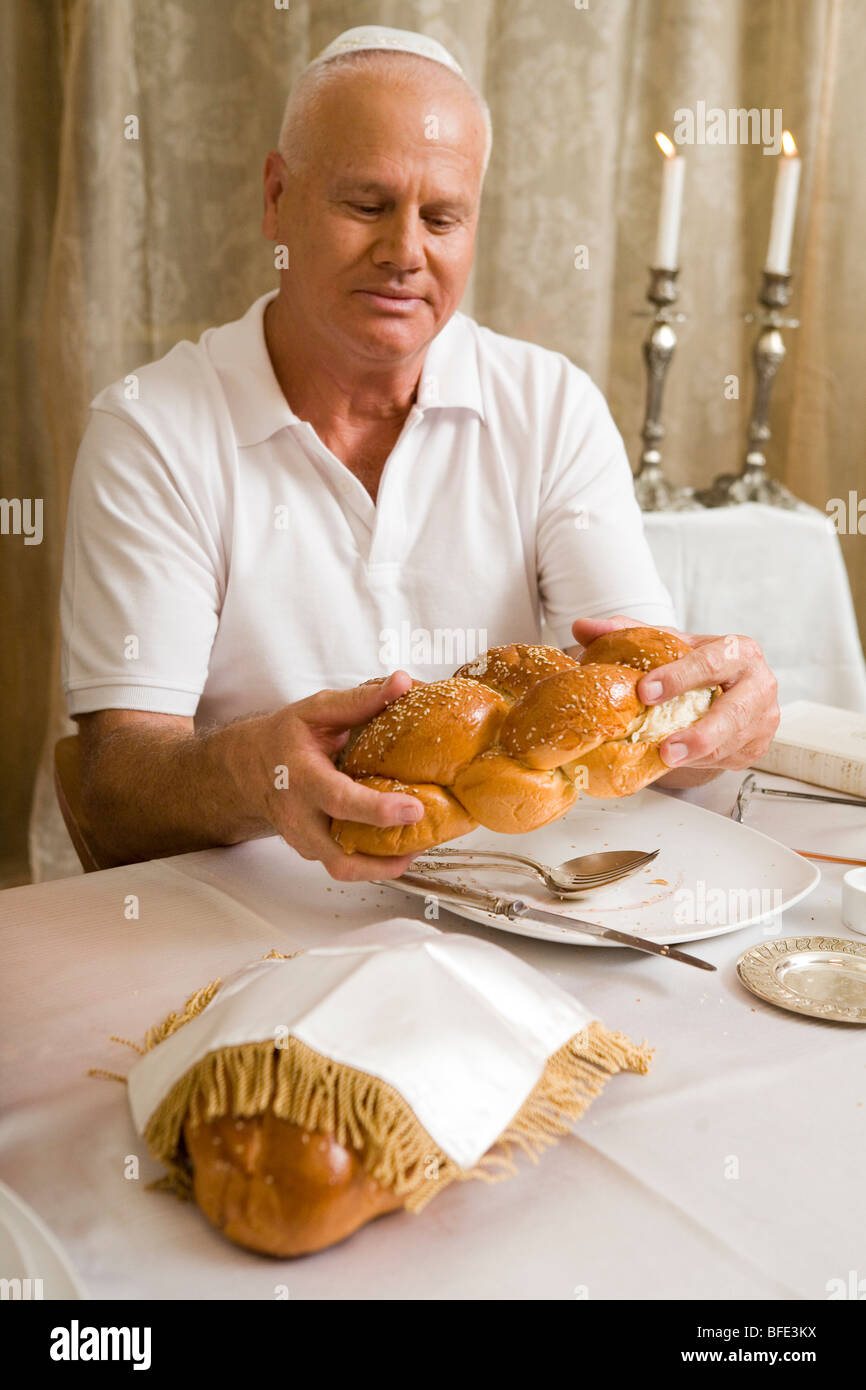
{"x": 513, "y": 909}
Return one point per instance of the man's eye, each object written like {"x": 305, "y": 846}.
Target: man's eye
{"x": 370, "y": 210}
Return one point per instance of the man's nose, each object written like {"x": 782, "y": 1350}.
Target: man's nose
{"x": 400, "y": 244}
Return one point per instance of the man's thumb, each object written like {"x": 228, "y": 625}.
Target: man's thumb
{"x": 586, "y": 630}
{"x": 362, "y": 702}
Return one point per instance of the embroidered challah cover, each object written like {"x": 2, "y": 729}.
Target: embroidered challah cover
{"x": 436, "y": 1054}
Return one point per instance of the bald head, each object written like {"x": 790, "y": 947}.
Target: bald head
{"x": 436, "y": 95}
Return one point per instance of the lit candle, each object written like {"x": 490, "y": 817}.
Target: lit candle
{"x": 671, "y": 206}
{"x": 784, "y": 207}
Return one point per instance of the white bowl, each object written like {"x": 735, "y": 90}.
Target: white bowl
{"x": 854, "y": 900}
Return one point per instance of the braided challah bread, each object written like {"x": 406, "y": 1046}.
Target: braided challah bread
{"x": 510, "y": 738}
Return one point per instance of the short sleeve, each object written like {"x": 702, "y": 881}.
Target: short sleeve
{"x": 142, "y": 578}
{"x": 592, "y": 555}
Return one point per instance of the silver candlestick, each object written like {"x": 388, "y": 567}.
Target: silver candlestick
{"x": 753, "y": 483}
{"x": 653, "y": 490}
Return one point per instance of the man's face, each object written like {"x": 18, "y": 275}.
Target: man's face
{"x": 386, "y": 204}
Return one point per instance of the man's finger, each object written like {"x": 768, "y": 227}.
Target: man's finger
{"x": 728, "y": 726}
{"x": 345, "y": 799}
{"x": 719, "y": 662}
{"x": 585, "y": 630}
{"x": 349, "y": 868}
{"x": 318, "y": 843}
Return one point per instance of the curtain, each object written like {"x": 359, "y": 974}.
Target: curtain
{"x": 117, "y": 247}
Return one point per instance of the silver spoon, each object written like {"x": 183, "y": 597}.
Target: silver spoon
{"x": 574, "y": 876}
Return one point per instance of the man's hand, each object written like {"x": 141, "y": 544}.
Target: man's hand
{"x": 304, "y": 738}
{"x": 740, "y": 723}
{"x": 153, "y": 785}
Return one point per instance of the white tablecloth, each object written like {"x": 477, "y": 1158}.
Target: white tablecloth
{"x": 636, "y": 1204}
{"x": 778, "y": 576}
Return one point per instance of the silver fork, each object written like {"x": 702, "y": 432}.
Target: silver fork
{"x": 570, "y": 877}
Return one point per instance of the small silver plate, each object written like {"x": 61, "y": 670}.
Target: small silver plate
{"x": 823, "y": 976}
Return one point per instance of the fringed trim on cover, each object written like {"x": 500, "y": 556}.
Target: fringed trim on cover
{"x": 196, "y": 1004}
{"x": 368, "y": 1114}
{"x": 570, "y": 1082}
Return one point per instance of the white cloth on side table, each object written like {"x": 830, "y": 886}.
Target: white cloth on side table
{"x": 778, "y": 576}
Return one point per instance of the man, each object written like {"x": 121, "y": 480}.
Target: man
{"x": 352, "y": 459}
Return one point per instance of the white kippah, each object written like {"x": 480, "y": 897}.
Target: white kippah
{"x": 376, "y": 36}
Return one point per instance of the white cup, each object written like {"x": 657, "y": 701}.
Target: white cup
{"x": 854, "y": 900}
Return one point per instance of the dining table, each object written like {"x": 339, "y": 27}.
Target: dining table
{"x": 734, "y": 1169}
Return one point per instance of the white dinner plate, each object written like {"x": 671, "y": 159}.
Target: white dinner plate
{"x": 29, "y": 1252}
{"x": 711, "y": 875}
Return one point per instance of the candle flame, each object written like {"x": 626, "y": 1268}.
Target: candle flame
{"x": 789, "y": 148}
{"x": 667, "y": 146}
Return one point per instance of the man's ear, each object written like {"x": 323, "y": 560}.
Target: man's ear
{"x": 274, "y": 184}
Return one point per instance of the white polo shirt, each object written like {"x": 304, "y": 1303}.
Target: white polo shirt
{"x": 220, "y": 560}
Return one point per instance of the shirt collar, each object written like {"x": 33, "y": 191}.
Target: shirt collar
{"x": 258, "y": 408}
{"x": 449, "y": 376}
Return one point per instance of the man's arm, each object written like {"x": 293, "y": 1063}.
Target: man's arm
{"x": 592, "y": 553}
{"x": 153, "y": 786}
